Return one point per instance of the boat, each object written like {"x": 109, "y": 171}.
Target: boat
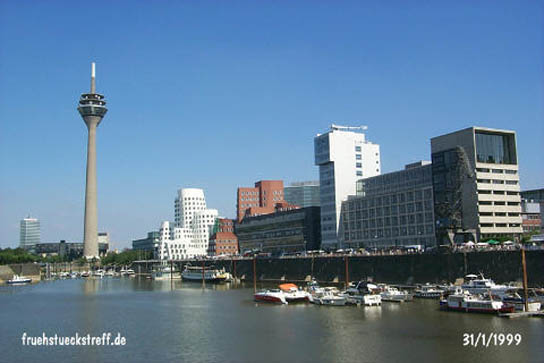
{"x": 362, "y": 293}
{"x": 19, "y": 280}
{"x": 166, "y": 273}
{"x": 329, "y": 296}
{"x": 86, "y": 274}
{"x": 463, "y": 300}
{"x": 110, "y": 273}
{"x": 271, "y": 296}
{"x": 481, "y": 285}
{"x": 392, "y": 294}
{"x": 428, "y": 292}
{"x": 293, "y": 293}
{"x": 512, "y": 297}
{"x": 127, "y": 272}
{"x": 206, "y": 273}
{"x": 98, "y": 273}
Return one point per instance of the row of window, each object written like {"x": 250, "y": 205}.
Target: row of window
{"x": 486, "y": 202}
{"x": 497, "y": 181}
{"x": 370, "y": 234}
{"x": 499, "y": 214}
{"x": 389, "y": 221}
{"x": 499, "y": 225}
{"x": 497, "y": 171}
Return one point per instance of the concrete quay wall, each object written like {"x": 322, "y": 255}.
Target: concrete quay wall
{"x": 501, "y": 266}
{"x": 31, "y": 270}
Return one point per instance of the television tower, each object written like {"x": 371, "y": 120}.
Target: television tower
{"x": 92, "y": 107}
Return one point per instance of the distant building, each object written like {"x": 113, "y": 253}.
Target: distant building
{"x": 150, "y": 243}
{"x": 531, "y": 218}
{"x": 223, "y": 241}
{"x": 261, "y": 199}
{"x": 303, "y": 194}
{"x": 189, "y": 235}
{"x": 391, "y": 210}
{"x": 29, "y": 234}
{"x": 286, "y": 231}
{"x": 343, "y": 156}
{"x": 70, "y": 250}
{"x": 535, "y": 196}
{"x": 476, "y": 185}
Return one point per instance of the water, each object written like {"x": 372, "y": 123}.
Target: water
{"x": 185, "y": 322}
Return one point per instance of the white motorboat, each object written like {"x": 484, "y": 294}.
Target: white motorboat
{"x": 293, "y": 293}
{"x": 206, "y": 273}
{"x": 481, "y": 285}
{"x": 166, "y": 273}
{"x": 463, "y": 300}
{"x": 127, "y": 272}
{"x": 392, "y": 294}
{"x": 271, "y": 296}
{"x": 512, "y": 297}
{"x": 19, "y": 280}
{"x": 98, "y": 273}
{"x": 329, "y": 296}
{"x": 428, "y": 292}
{"x": 362, "y": 293}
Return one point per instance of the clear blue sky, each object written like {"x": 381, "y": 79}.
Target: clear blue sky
{"x": 221, "y": 94}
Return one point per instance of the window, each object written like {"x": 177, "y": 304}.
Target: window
{"x": 359, "y": 173}
{"x": 358, "y": 148}
{"x": 357, "y": 156}
{"x": 358, "y": 165}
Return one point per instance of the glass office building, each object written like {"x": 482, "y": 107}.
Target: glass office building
{"x": 303, "y": 194}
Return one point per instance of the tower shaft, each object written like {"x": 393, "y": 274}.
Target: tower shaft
{"x": 90, "y": 234}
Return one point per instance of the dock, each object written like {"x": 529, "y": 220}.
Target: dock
{"x": 529, "y": 314}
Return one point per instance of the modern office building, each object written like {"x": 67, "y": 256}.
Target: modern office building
{"x": 266, "y": 197}
{"x": 189, "y": 235}
{"x": 391, "y": 210}
{"x": 92, "y": 108}
{"x": 29, "y": 233}
{"x": 149, "y": 244}
{"x": 285, "y": 231}
{"x": 303, "y": 194}
{"x": 343, "y": 156}
{"x": 476, "y": 185}
{"x": 224, "y": 241}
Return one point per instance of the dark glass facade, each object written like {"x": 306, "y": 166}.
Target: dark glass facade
{"x": 495, "y": 148}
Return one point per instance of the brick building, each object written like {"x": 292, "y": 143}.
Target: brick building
{"x": 224, "y": 241}
{"x": 266, "y": 197}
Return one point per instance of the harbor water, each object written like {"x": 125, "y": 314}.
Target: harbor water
{"x": 187, "y": 322}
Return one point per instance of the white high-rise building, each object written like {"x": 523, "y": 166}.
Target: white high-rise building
{"x": 189, "y": 235}
{"x": 343, "y": 156}
{"x": 29, "y": 232}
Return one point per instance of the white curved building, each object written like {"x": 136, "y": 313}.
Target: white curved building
{"x": 189, "y": 235}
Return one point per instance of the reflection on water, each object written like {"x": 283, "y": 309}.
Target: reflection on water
{"x": 186, "y": 321}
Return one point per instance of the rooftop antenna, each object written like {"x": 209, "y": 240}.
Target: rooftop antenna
{"x": 93, "y": 82}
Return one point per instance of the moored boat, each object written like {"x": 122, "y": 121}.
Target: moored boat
{"x": 463, "y": 300}
{"x": 329, "y": 296}
{"x": 428, "y": 292}
{"x": 392, "y": 294}
{"x": 293, "y": 293}
{"x": 270, "y": 296}
{"x": 19, "y": 280}
{"x": 362, "y": 293}
{"x": 206, "y": 273}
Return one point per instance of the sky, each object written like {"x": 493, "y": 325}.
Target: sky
{"x": 217, "y": 94}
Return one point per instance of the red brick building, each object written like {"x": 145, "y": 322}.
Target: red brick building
{"x": 224, "y": 241}
{"x": 266, "y": 197}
